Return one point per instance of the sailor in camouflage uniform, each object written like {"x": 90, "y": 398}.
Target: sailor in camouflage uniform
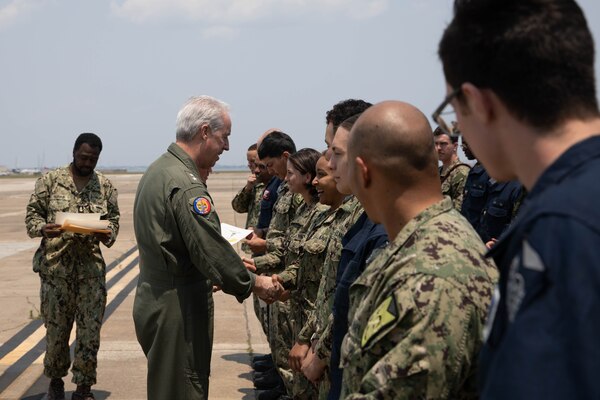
{"x": 274, "y": 151}
{"x": 417, "y": 311}
{"x": 300, "y": 173}
{"x": 247, "y": 200}
{"x": 304, "y": 275}
{"x": 71, "y": 266}
{"x": 318, "y": 320}
{"x": 453, "y": 173}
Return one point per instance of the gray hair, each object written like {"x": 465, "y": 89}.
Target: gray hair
{"x": 196, "y": 112}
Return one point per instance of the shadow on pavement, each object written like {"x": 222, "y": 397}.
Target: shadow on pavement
{"x": 241, "y": 358}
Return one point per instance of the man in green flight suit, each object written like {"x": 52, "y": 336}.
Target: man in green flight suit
{"x": 182, "y": 255}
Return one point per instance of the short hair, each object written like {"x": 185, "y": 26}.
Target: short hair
{"x": 348, "y": 123}
{"x": 275, "y": 144}
{"x": 344, "y": 110}
{"x": 536, "y": 55}
{"x": 439, "y": 132}
{"x": 198, "y": 111}
{"x": 90, "y": 138}
{"x": 252, "y": 147}
{"x": 305, "y": 161}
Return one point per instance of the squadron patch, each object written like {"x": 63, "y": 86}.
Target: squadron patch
{"x": 201, "y": 206}
{"x": 384, "y": 316}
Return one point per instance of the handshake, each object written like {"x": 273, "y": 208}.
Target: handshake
{"x": 268, "y": 288}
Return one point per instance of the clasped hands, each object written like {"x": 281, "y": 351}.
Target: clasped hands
{"x": 267, "y": 289}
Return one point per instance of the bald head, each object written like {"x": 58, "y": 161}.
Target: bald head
{"x": 264, "y": 135}
{"x": 395, "y": 138}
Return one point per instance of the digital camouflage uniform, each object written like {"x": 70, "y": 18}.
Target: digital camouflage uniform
{"x": 284, "y": 212}
{"x": 303, "y": 274}
{"x": 317, "y": 321}
{"x": 72, "y": 270}
{"x": 182, "y": 254}
{"x": 283, "y": 332}
{"x": 417, "y": 312}
{"x": 249, "y": 202}
{"x": 453, "y": 182}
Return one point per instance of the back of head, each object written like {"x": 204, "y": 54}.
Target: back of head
{"x": 344, "y": 110}
{"x": 537, "y": 56}
{"x": 89, "y": 138}
{"x": 275, "y": 144}
{"x": 396, "y": 139}
{"x": 198, "y": 111}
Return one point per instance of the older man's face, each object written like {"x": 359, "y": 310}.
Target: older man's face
{"x": 217, "y": 142}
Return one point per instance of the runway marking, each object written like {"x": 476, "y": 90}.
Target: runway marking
{"x": 12, "y": 214}
{"x": 40, "y": 333}
{"x": 25, "y": 360}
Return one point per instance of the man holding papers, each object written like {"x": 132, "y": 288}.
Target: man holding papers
{"x": 70, "y": 264}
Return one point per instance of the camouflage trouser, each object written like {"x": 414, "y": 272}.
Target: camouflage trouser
{"x": 260, "y": 309}
{"x": 324, "y": 385}
{"x": 302, "y": 388}
{"x": 64, "y": 301}
{"x": 280, "y": 340}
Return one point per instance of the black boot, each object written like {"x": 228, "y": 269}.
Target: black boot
{"x": 82, "y": 392}
{"x": 56, "y": 390}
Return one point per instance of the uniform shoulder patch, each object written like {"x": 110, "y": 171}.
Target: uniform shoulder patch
{"x": 385, "y": 315}
{"x": 201, "y": 206}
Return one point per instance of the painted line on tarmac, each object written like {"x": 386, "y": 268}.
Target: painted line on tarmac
{"x": 32, "y": 338}
{"x": 31, "y": 327}
{"x": 37, "y": 349}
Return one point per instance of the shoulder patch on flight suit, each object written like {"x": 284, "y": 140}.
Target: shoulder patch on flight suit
{"x": 201, "y": 206}
{"x": 384, "y": 315}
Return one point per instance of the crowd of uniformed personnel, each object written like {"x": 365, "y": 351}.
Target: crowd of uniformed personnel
{"x": 321, "y": 240}
{"x": 368, "y": 260}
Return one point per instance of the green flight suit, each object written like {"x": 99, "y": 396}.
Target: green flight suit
{"x": 182, "y": 254}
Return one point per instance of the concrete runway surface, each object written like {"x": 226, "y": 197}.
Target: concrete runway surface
{"x": 121, "y": 363}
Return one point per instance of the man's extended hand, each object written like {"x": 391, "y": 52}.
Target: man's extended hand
{"x": 285, "y": 294}
{"x": 313, "y": 367}
{"x": 103, "y": 237}
{"x": 257, "y": 245}
{"x": 51, "y": 230}
{"x": 297, "y": 355}
{"x": 249, "y": 264}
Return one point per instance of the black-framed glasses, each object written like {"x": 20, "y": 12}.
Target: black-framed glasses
{"x": 437, "y": 115}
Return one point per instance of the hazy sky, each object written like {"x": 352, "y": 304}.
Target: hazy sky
{"x": 123, "y": 68}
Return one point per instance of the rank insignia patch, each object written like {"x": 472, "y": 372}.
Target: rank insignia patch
{"x": 201, "y": 206}
{"x": 384, "y": 315}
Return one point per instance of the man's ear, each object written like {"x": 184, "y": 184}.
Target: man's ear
{"x": 285, "y": 154}
{"x": 477, "y": 102}
{"x": 204, "y": 131}
{"x": 363, "y": 172}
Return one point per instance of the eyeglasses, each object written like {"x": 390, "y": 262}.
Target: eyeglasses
{"x": 437, "y": 114}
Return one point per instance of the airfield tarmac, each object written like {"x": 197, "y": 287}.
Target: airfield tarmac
{"x": 121, "y": 363}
